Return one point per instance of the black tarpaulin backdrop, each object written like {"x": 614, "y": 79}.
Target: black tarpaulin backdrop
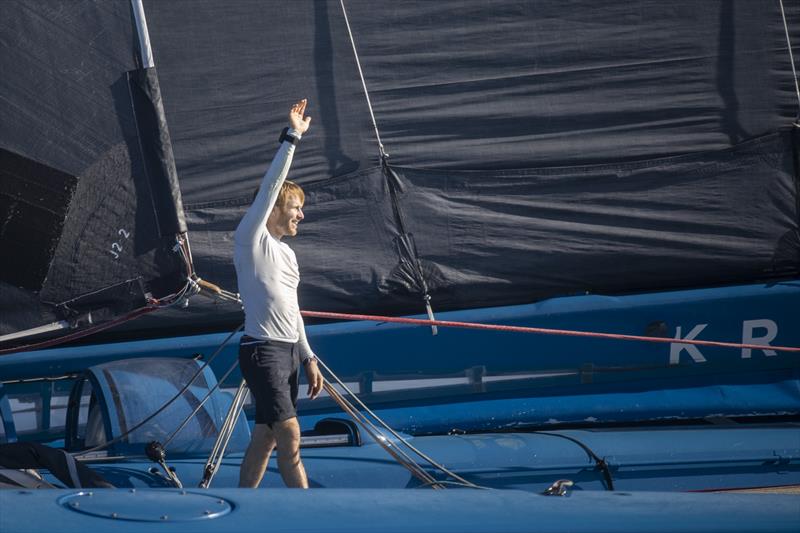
{"x": 76, "y": 151}
{"x": 543, "y": 148}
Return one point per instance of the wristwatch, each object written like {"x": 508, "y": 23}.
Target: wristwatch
{"x": 286, "y": 137}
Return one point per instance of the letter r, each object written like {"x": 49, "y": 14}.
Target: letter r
{"x": 748, "y": 326}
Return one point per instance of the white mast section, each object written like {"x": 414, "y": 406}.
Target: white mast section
{"x": 144, "y": 36}
{"x": 53, "y": 326}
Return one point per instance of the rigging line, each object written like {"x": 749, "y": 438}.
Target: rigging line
{"x": 394, "y": 184}
{"x": 396, "y": 452}
{"x": 600, "y": 462}
{"x": 190, "y": 289}
{"x": 181, "y": 247}
{"x": 202, "y": 402}
{"x": 392, "y": 431}
{"x": 217, "y": 291}
{"x": 546, "y": 331}
{"x": 374, "y": 431}
{"x": 455, "y": 484}
{"x": 383, "y": 153}
{"x": 377, "y": 435}
{"x": 390, "y": 174}
{"x": 362, "y": 419}
{"x": 165, "y": 405}
{"x": 406, "y": 460}
{"x": 95, "y": 292}
{"x": 381, "y": 440}
{"x": 186, "y": 251}
{"x": 791, "y": 56}
{"x": 154, "y": 306}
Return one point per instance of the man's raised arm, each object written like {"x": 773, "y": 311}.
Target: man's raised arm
{"x": 256, "y": 217}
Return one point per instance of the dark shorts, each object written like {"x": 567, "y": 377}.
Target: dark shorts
{"x": 270, "y": 369}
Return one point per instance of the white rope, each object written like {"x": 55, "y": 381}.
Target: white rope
{"x": 384, "y": 155}
{"x": 394, "y": 433}
{"x": 791, "y": 56}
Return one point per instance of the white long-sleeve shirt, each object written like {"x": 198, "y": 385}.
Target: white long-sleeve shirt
{"x": 266, "y": 268}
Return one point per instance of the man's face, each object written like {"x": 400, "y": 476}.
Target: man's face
{"x": 284, "y": 219}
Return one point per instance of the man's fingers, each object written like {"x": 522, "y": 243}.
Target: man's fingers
{"x": 296, "y": 115}
{"x": 317, "y": 388}
{"x": 315, "y": 382}
{"x": 299, "y": 107}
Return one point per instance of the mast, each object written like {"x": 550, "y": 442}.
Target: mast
{"x": 145, "y": 50}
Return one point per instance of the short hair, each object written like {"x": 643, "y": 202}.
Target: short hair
{"x": 288, "y": 187}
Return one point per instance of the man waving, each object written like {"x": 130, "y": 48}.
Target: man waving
{"x": 274, "y": 343}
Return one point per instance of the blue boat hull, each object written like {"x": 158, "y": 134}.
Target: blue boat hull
{"x": 244, "y": 510}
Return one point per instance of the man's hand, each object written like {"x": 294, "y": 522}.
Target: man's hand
{"x": 315, "y": 379}
{"x": 297, "y": 121}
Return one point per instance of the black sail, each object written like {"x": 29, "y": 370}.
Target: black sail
{"x": 536, "y": 148}
{"x": 86, "y": 227}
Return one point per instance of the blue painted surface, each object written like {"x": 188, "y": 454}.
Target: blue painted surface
{"x": 762, "y": 394}
{"x": 603, "y": 381}
{"x": 400, "y": 351}
{"x": 426, "y": 510}
{"x": 599, "y": 380}
{"x": 640, "y": 459}
{"x": 147, "y": 505}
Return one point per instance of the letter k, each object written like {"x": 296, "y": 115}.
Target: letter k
{"x": 675, "y": 348}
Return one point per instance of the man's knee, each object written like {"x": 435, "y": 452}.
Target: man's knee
{"x": 287, "y": 433}
{"x": 263, "y": 435}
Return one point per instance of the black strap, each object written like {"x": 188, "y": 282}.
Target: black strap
{"x": 601, "y": 463}
{"x": 286, "y": 137}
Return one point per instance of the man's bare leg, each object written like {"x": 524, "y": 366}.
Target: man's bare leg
{"x": 287, "y": 437}
{"x": 256, "y": 458}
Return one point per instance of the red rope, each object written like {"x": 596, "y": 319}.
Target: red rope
{"x": 546, "y": 331}
{"x": 425, "y": 322}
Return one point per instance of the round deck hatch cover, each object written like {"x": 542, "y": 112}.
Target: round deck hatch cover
{"x": 147, "y": 505}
